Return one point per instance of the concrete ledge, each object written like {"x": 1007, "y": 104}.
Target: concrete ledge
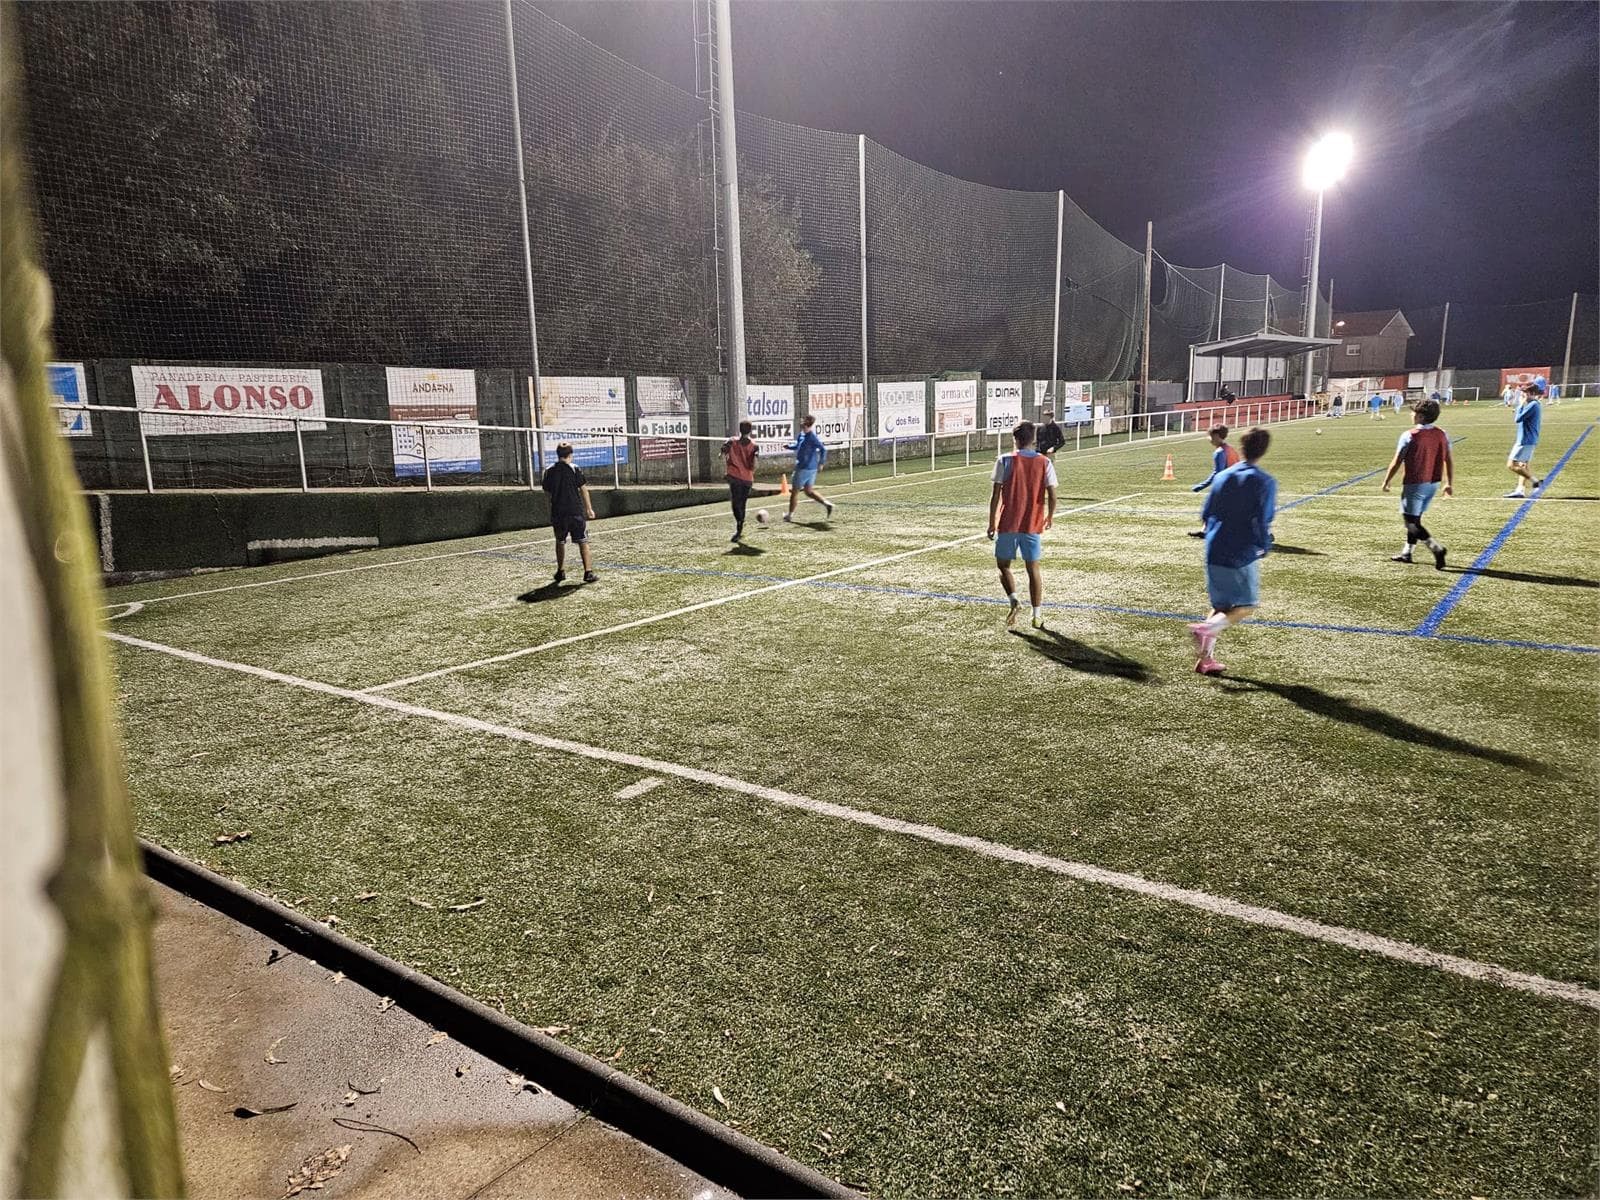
{"x": 141, "y": 534}
{"x": 722, "y": 1155}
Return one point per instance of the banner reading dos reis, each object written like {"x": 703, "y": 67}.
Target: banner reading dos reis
{"x": 443, "y": 399}
{"x": 902, "y": 410}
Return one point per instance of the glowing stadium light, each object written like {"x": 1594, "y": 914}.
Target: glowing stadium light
{"x": 1328, "y": 160}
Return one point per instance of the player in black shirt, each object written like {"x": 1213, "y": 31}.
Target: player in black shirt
{"x": 1051, "y": 436}
{"x": 570, "y": 511}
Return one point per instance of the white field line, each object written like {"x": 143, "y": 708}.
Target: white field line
{"x": 311, "y": 543}
{"x": 634, "y": 790}
{"x": 701, "y": 606}
{"x": 714, "y": 507}
{"x": 1252, "y": 914}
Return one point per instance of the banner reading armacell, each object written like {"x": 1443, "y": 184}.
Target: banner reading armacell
{"x": 176, "y": 400}
{"x": 839, "y": 409}
{"x": 67, "y": 386}
{"x": 1003, "y": 405}
{"x": 1075, "y": 400}
{"x": 771, "y": 409}
{"x": 902, "y": 410}
{"x": 582, "y": 409}
{"x": 663, "y": 416}
{"x": 442, "y": 398}
{"x": 955, "y": 406}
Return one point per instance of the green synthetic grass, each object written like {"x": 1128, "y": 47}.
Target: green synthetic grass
{"x": 914, "y": 1019}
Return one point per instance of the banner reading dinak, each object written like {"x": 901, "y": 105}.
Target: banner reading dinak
{"x": 582, "y": 410}
{"x": 770, "y": 408}
{"x": 663, "y": 416}
{"x": 177, "y": 400}
{"x": 446, "y": 400}
{"x": 1074, "y": 401}
{"x": 1003, "y": 405}
{"x": 839, "y": 409}
{"x": 68, "y": 387}
{"x": 955, "y": 406}
{"x": 902, "y": 410}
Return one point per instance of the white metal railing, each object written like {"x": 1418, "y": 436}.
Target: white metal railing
{"x": 1129, "y": 427}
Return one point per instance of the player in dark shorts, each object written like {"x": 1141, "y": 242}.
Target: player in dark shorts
{"x": 570, "y": 511}
{"x": 740, "y": 455}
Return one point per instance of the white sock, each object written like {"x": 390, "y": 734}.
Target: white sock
{"x": 1406, "y": 549}
{"x": 1213, "y": 625}
{"x": 1012, "y": 596}
{"x": 1435, "y": 545}
{"x": 1036, "y": 611}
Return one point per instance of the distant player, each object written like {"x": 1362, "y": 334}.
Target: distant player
{"x": 809, "y": 455}
{"x": 1508, "y": 397}
{"x": 570, "y": 511}
{"x": 740, "y": 456}
{"x": 1223, "y": 456}
{"x": 1238, "y": 516}
{"x": 1424, "y": 451}
{"x": 1554, "y": 394}
{"x": 1022, "y": 506}
{"x": 1051, "y": 436}
{"x": 1337, "y": 409}
{"x": 1374, "y": 405}
{"x": 1529, "y": 417}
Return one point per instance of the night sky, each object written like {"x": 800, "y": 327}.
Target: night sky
{"x": 1475, "y": 124}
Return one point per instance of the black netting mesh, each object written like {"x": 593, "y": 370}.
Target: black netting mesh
{"x": 1101, "y": 300}
{"x": 1183, "y": 310}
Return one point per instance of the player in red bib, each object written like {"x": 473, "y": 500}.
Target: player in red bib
{"x": 740, "y": 454}
{"x": 1021, "y": 507}
{"x": 1424, "y": 451}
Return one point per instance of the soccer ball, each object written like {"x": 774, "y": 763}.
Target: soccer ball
{"x": 761, "y": 516}
{"x": 1319, "y": 433}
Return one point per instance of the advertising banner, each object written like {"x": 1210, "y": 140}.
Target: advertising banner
{"x": 582, "y": 409}
{"x": 839, "y": 409}
{"x": 444, "y": 399}
{"x": 1521, "y": 376}
{"x": 68, "y": 386}
{"x": 770, "y": 408}
{"x": 1042, "y": 396}
{"x": 1074, "y": 402}
{"x": 1002, "y": 405}
{"x": 955, "y": 406}
{"x": 663, "y": 402}
{"x": 178, "y": 400}
{"x": 902, "y": 410}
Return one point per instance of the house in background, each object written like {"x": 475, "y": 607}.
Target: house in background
{"x": 1370, "y": 343}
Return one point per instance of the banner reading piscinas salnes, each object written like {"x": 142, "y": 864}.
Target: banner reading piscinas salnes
{"x": 198, "y": 399}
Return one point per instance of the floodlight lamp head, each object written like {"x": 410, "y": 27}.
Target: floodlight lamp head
{"x": 1328, "y": 160}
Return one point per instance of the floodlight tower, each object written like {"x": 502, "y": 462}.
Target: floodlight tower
{"x": 1325, "y": 165}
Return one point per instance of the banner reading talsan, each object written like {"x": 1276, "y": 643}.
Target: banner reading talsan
{"x": 839, "y": 410}
{"x": 198, "y": 399}
{"x": 1002, "y": 405}
{"x": 69, "y": 388}
{"x": 583, "y": 410}
{"x": 902, "y": 410}
{"x": 448, "y": 401}
{"x": 955, "y": 406}
{"x": 663, "y": 402}
{"x": 770, "y": 408}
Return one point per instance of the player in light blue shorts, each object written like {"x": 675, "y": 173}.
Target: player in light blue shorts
{"x": 809, "y": 455}
{"x": 1529, "y": 419}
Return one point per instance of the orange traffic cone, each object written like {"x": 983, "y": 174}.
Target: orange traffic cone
{"x": 1167, "y": 474}
{"x": 783, "y": 484}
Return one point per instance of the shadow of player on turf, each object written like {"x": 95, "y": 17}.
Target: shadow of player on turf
{"x": 744, "y": 550}
{"x": 1526, "y": 577}
{"x": 1078, "y": 656}
{"x": 550, "y": 591}
{"x": 1281, "y": 548}
{"x": 1337, "y": 708}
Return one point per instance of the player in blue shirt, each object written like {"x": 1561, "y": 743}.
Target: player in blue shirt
{"x": 1528, "y": 417}
{"x": 809, "y": 455}
{"x": 1238, "y": 516}
{"x": 1223, "y": 456}
{"x": 1374, "y": 405}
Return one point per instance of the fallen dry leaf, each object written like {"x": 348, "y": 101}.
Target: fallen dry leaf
{"x": 716, "y": 1094}
{"x": 555, "y": 1030}
{"x": 439, "y": 1036}
{"x": 385, "y": 1004}
{"x": 361, "y": 1090}
{"x": 419, "y": 903}
{"x": 331, "y": 921}
{"x": 365, "y": 896}
{"x": 461, "y": 1070}
{"x": 211, "y": 1087}
{"x": 224, "y": 839}
{"x": 471, "y": 904}
{"x": 272, "y": 1058}
{"x": 317, "y": 1170}
{"x": 175, "y": 1072}
{"x": 244, "y": 1112}
{"x": 337, "y": 977}
{"x": 1061, "y": 1106}
{"x": 350, "y": 1097}
{"x": 615, "y": 1056}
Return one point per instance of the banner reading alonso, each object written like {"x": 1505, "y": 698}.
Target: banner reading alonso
{"x": 583, "y": 410}
{"x": 902, "y": 410}
{"x": 839, "y": 410}
{"x": 955, "y": 406}
{"x": 67, "y": 386}
{"x": 663, "y": 416}
{"x": 176, "y": 400}
{"x": 770, "y": 408}
{"x": 1003, "y": 407}
{"x": 443, "y": 399}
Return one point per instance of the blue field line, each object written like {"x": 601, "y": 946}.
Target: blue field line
{"x": 1352, "y": 481}
{"x": 1064, "y": 606}
{"x": 1429, "y": 626}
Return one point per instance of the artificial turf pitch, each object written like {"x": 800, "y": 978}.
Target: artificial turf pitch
{"x": 926, "y": 1019}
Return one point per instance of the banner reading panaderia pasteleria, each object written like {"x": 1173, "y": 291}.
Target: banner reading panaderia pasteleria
{"x": 199, "y": 399}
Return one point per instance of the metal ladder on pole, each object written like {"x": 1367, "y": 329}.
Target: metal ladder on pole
{"x": 707, "y": 140}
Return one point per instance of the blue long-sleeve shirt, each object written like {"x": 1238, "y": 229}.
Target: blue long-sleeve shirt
{"x": 1238, "y": 515}
{"x": 1529, "y": 417}
{"x": 1219, "y": 464}
{"x": 808, "y": 450}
